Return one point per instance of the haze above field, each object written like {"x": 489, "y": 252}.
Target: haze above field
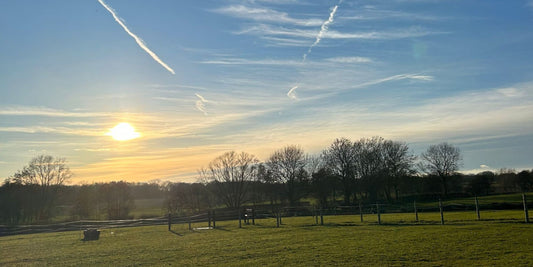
{"x": 194, "y": 79}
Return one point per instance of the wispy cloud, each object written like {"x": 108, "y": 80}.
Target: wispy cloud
{"x": 372, "y": 13}
{"x": 284, "y": 36}
{"x": 323, "y": 30}
{"x": 265, "y": 15}
{"x": 137, "y": 39}
{"x": 200, "y": 104}
{"x": 292, "y": 94}
{"x": 46, "y": 112}
{"x": 350, "y": 60}
{"x": 398, "y": 77}
{"x": 279, "y": 2}
{"x": 92, "y": 149}
{"x": 243, "y": 61}
{"x": 285, "y": 62}
{"x": 52, "y": 130}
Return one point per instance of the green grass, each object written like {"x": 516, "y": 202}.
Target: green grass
{"x": 500, "y": 239}
{"x": 148, "y": 208}
{"x": 483, "y": 200}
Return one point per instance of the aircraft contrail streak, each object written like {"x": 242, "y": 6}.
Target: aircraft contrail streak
{"x": 137, "y": 39}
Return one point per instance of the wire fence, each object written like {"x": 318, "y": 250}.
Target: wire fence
{"x": 379, "y": 213}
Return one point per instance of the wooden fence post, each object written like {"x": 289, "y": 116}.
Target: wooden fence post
{"x": 477, "y": 209}
{"x": 209, "y": 219}
{"x": 240, "y": 223}
{"x": 214, "y": 221}
{"x": 361, "y": 211}
{"x": 253, "y": 216}
{"x": 316, "y": 216}
{"x": 416, "y": 211}
{"x": 169, "y": 221}
{"x": 441, "y": 212}
{"x": 190, "y": 226}
{"x": 379, "y": 215}
{"x": 526, "y": 213}
{"x": 321, "y": 217}
{"x": 277, "y": 218}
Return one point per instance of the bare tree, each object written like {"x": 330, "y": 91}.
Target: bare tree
{"x": 370, "y": 170}
{"x": 44, "y": 170}
{"x": 340, "y": 158}
{"x": 118, "y": 199}
{"x": 442, "y": 160}
{"x": 231, "y": 172}
{"x": 398, "y": 163}
{"x": 287, "y": 166}
{"x": 47, "y": 173}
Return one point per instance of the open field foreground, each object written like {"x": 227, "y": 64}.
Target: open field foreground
{"x": 343, "y": 240}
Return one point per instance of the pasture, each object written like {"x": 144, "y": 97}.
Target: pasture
{"x": 501, "y": 238}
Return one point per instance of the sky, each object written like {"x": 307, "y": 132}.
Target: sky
{"x": 196, "y": 79}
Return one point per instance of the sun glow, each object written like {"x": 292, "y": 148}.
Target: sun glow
{"x": 123, "y": 132}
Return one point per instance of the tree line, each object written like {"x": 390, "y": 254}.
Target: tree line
{"x": 345, "y": 173}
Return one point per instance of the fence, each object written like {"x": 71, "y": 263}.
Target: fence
{"x": 77, "y": 225}
{"x": 247, "y": 215}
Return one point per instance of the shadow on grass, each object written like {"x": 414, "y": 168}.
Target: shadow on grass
{"x": 176, "y": 233}
{"x": 221, "y": 228}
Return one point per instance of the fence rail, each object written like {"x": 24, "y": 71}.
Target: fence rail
{"x": 78, "y": 225}
{"x": 248, "y": 214}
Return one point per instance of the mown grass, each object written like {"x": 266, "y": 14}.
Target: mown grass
{"x": 515, "y": 199}
{"x": 501, "y": 239}
{"x": 147, "y": 208}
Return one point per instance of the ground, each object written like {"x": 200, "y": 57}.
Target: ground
{"x": 501, "y": 238}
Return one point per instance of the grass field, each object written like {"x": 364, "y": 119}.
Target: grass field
{"x": 484, "y": 200}
{"x": 500, "y": 239}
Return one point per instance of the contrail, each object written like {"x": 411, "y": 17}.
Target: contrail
{"x": 201, "y": 98}
{"x": 323, "y": 29}
{"x": 200, "y": 104}
{"x": 137, "y": 39}
{"x": 291, "y": 94}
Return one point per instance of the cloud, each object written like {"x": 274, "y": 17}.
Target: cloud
{"x": 323, "y": 30}
{"x": 51, "y": 130}
{"x": 242, "y": 61}
{"x": 395, "y": 78}
{"x": 282, "y": 41}
{"x": 284, "y": 62}
{"x": 266, "y": 15}
{"x": 137, "y": 39}
{"x": 92, "y": 149}
{"x": 371, "y": 13}
{"x": 288, "y": 37}
{"x": 350, "y": 60}
{"x": 292, "y": 94}
{"x": 510, "y": 92}
{"x": 200, "y": 104}
{"x": 279, "y": 2}
{"x": 46, "y": 112}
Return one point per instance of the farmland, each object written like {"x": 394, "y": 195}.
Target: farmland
{"x": 499, "y": 239}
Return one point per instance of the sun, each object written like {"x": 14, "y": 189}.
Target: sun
{"x": 123, "y": 132}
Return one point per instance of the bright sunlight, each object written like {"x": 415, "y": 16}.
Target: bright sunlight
{"x": 123, "y": 132}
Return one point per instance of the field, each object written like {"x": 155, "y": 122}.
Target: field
{"x": 500, "y": 239}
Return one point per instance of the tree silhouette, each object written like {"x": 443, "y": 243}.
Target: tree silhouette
{"x": 48, "y": 173}
{"x": 340, "y": 158}
{"x": 287, "y": 166}
{"x": 231, "y": 173}
{"x": 442, "y": 160}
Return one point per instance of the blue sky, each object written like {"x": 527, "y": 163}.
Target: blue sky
{"x": 256, "y": 75}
